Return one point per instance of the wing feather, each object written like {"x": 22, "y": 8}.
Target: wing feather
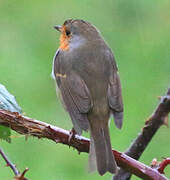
{"x": 75, "y": 95}
{"x": 115, "y": 94}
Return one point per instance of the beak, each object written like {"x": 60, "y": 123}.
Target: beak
{"x": 58, "y": 28}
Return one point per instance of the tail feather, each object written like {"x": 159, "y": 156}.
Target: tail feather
{"x": 92, "y": 157}
{"x": 111, "y": 164}
{"x": 118, "y": 119}
{"x": 101, "y": 156}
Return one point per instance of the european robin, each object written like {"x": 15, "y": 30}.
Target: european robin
{"x": 87, "y": 76}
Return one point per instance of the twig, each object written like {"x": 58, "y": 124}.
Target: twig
{"x": 9, "y": 163}
{"x": 163, "y": 165}
{"x": 18, "y": 175}
{"x": 138, "y": 146}
{"x": 28, "y": 126}
{"x": 21, "y": 176}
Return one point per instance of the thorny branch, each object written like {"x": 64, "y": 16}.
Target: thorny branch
{"x": 163, "y": 165}
{"x": 18, "y": 176}
{"x": 9, "y": 163}
{"x": 158, "y": 118}
{"x": 28, "y": 126}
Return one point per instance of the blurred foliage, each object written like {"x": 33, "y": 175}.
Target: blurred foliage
{"x": 139, "y": 34}
{"x": 7, "y": 102}
{"x": 5, "y": 134}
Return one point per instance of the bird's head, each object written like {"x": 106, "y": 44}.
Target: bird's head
{"x": 75, "y": 32}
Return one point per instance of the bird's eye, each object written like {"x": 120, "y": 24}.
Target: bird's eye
{"x": 68, "y": 32}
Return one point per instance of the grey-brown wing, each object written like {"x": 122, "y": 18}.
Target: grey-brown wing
{"x": 75, "y": 95}
{"x": 115, "y": 94}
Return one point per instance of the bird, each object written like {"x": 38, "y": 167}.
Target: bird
{"x": 87, "y": 77}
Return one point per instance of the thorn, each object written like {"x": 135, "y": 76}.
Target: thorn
{"x": 164, "y": 100}
{"x": 57, "y": 141}
{"x": 159, "y": 97}
{"x": 49, "y": 127}
{"x": 147, "y": 121}
{"x": 16, "y": 113}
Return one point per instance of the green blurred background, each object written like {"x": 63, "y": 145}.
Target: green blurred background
{"x": 139, "y": 34}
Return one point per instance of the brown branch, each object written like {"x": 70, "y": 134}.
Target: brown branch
{"x": 9, "y": 163}
{"x": 28, "y": 126}
{"x": 158, "y": 118}
{"x": 21, "y": 176}
{"x": 163, "y": 165}
{"x": 18, "y": 176}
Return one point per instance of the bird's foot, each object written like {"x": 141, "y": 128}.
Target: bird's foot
{"x": 72, "y": 135}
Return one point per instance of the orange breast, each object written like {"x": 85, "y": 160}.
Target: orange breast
{"x": 64, "y": 40}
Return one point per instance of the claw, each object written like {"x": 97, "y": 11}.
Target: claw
{"x": 71, "y": 136}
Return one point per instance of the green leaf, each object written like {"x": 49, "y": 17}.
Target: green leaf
{"x": 7, "y": 102}
{"x": 5, "y": 133}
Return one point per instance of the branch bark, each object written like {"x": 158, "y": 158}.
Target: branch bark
{"x": 157, "y": 119}
{"x": 27, "y": 126}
